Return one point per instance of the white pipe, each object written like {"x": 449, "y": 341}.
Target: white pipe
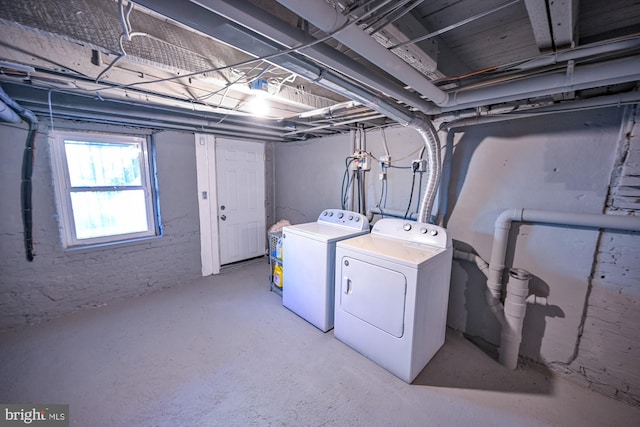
{"x": 482, "y": 265}
{"x": 515, "y": 306}
{"x": 614, "y": 222}
{"x": 512, "y": 318}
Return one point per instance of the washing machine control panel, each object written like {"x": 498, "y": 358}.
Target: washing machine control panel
{"x": 346, "y": 218}
{"x": 416, "y": 232}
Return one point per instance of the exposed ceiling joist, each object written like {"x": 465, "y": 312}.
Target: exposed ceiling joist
{"x": 553, "y": 22}
{"x": 539, "y": 17}
{"x": 563, "y": 16}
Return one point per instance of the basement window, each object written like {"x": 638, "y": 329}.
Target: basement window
{"x": 103, "y": 188}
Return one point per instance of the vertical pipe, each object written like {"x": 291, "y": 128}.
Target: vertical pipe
{"x": 515, "y": 306}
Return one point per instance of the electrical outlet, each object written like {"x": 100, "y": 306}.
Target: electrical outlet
{"x": 361, "y": 161}
{"x": 419, "y": 165}
{"x": 364, "y": 163}
{"x": 385, "y": 161}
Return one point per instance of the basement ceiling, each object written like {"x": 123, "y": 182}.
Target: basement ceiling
{"x": 199, "y": 65}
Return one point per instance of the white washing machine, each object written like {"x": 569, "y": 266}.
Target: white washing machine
{"x": 309, "y": 263}
{"x": 392, "y": 291}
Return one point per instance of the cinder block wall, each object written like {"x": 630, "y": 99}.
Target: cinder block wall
{"x": 60, "y": 281}
{"x": 608, "y": 356}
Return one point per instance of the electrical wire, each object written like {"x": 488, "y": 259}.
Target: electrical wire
{"x": 28, "y": 159}
{"x": 344, "y": 193}
{"x": 293, "y": 49}
{"x": 413, "y": 184}
{"x": 121, "y": 56}
{"x": 124, "y": 18}
{"x": 229, "y": 84}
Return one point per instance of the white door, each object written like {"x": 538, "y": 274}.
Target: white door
{"x": 241, "y": 199}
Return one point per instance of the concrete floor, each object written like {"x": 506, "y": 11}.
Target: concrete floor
{"x": 223, "y": 351}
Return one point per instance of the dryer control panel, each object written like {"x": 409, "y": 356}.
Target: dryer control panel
{"x": 412, "y": 231}
{"x": 346, "y": 218}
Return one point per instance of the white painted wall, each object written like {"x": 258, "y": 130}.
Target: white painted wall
{"x": 59, "y": 281}
{"x": 561, "y": 162}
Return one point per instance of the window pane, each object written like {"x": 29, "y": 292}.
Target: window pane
{"x": 104, "y": 164}
{"x": 105, "y": 213}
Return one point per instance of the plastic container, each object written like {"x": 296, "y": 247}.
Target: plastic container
{"x": 279, "y": 248}
{"x": 277, "y": 276}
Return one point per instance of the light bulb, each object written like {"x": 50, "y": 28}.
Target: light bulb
{"x": 258, "y": 105}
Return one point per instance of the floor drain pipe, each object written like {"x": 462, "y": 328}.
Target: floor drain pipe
{"x": 515, "y": 306}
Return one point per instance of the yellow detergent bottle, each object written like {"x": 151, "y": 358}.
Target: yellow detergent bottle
{"x": 277, "y": 276}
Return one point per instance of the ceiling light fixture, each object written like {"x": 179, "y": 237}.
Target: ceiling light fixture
{"x": 258, "y": 104}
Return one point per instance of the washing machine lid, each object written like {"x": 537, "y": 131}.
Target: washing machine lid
{"x": 327, "y": 233}
{"x": 407, "y": 253}
{"x": 332, "y": 225}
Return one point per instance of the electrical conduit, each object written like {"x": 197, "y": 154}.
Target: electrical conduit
{"x": 27, "y": 170}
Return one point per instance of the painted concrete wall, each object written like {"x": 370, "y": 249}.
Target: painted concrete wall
{"x": 562, "y": 162}
{"x": 609, "y": 350}
{"x": 60, "y": 281}
{"x": 308, "y": 176}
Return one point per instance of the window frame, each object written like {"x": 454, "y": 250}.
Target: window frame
{"x": 63, "y": 188}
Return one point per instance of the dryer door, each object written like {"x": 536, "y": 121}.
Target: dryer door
{"x": 373, "y": 294}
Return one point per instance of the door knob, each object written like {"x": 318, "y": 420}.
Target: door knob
{"x": 223, "y": 217}
{"x": 222, "y": 207}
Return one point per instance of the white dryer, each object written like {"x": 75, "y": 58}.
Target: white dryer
{"x": 392, "y": 291}
{"x": 309, "y": 263}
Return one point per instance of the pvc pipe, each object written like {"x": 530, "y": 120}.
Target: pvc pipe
{"x": 482, "y": 265}
{"x": 615, "y": 222}
{"x": 515, "y": 306}
{"x": 510, "y": 318}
